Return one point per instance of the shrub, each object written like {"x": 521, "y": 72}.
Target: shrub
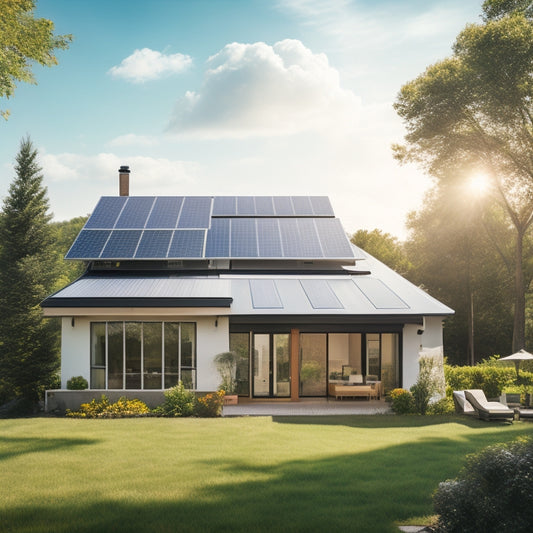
{"x": 402, "y": 401}
{"x": 77, "y": 383}
{"x": 210, "y": 405}
{"x": 178, "y": 402}
{"x": 421, "y": 396}
{"x": 444, "y": 406}
{"x": 490, "y": 379}
{"x": 493, "y": 492}
{"x": 102, "y": 408}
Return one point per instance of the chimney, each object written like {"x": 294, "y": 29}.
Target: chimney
{"x": 124, "y": 181}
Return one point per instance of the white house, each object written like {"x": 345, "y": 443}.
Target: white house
{"x": 173, "y": 281}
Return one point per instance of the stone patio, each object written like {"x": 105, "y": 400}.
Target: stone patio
{"x": 307, "y": 407}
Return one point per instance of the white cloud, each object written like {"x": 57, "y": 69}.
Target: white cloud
{"x": 257, "y": 89}
{"x": 146, "y": 65}
{"x": 75, "y": 182}
{"x": 131, "y": 139}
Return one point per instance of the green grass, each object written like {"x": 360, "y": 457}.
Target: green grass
{"x": 263, "y": 474}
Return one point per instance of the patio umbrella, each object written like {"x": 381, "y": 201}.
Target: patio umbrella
{"x": 522, "y": 355}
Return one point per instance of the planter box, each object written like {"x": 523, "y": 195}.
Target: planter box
{"x": 510, "y": 398}
{"x": 231, "y": 399}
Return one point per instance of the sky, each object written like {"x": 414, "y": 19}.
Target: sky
{"x": 232, "y": 97}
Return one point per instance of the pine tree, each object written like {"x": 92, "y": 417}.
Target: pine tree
{"x": 28, "y": 344}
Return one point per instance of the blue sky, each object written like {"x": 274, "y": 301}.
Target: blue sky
{"x": 232, "y": 97}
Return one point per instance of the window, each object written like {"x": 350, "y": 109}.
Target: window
{"x": 143, "y": 355}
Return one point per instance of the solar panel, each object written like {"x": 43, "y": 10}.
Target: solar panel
{"x": 283, "y": 206}
{"x": 332, "y": 238}
{"x": 225, "y": 206}
{"x": 217, "y": 244}
{"x": 321, "y": 206}
{"x": 379, "y": 295}
{"x": 165, "y": 212}
{"x": 309, "y": 241}
{"x": 268, "y": 238}
{"x": 154, "y": 244}
{"x": 265, "y": 294}
{"x": 320, "y": 294}
{"x": 243, "y": 241}
{"x": 106, "y": 212}
{"x": 121, "y": 244}
{"x": 187, "y": 243}
{"x": 88, "y": 244}
{"x": 264, "y": 206}
{"x": 302, "y": 206}
{"x": 196, "y": 212}
{"x": 135, "y": 213}
{"x": 290, "y": 237}
{"x": 245, "y": 206}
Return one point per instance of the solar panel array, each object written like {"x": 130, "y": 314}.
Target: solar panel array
{"x": 203, "y": 227}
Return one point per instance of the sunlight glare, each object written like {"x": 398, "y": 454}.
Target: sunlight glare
{"x": 479, "y": 184}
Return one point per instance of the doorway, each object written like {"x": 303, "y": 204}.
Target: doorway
{"x": 271, "y": 365}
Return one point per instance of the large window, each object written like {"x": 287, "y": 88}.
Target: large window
{"x": 143, "y": 355}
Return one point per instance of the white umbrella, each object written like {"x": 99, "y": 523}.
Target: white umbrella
{"x": 521, "y": 355}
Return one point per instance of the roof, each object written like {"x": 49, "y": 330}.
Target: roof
{"x": 212, "y": 227}
{"x": 374, "y": 290}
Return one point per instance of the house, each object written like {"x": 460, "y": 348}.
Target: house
{"x": 173, "y": 281}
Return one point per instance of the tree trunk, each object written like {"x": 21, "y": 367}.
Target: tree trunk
{"x": 519, "y": 327}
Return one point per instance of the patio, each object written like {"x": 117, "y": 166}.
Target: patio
{"x": 307, "y": 406}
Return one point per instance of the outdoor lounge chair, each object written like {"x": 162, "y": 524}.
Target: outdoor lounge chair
{"x": 462, "y": 406}
{"x": 488, "y": 410}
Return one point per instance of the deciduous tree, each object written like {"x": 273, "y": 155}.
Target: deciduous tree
{"x": 24, "y": 40}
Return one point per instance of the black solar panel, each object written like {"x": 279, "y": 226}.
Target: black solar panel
{"x": 121, "y": 244}
{"x": 135, "y": 213}
{"x": 165, "y": 212}
{"x": 106, "y": 212}
{"x": 88, "y": 244}
{"x": 243, "y": 241}
{"x": 276, "y": 227}
{"x": 217, "y": 244}
{"x": 195, "y": 212}
{"x": 187, "y": 243}
{"x": 154, "y": 244}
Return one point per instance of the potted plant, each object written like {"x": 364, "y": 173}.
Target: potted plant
{"x": 226, "y": 363}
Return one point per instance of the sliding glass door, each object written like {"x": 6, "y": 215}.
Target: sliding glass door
{"x": 271, "y": 365}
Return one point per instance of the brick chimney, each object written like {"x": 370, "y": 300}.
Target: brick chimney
{"x": 124, "y": 181}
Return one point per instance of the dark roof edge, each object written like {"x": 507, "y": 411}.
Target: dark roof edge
{"x": 136, "y": 302}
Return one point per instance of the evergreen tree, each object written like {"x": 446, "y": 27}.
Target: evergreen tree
{"x": 28, "y": 344}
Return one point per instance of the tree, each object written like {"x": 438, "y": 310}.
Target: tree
{"x": 383, "y": 247}
{"x": 474, "y": 112}
{"x": 28, "y": 345}
{"x": 24, "y": 40}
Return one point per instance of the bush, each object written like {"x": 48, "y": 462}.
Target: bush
{"x": 102, "y": 408}
{"x": 210, "y": 405}
{"x": 77, "y": 383}
{"x": 444, "y": 406}
{"x": 402, "y": 401}
{"x": 493, "y": 492}
{"x": 490, "y": 379}
{"x": 178, "y": 402}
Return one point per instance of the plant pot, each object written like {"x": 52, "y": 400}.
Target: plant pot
{"x": 231, "y": 399}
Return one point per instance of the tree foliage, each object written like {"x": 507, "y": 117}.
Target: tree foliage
{"x": 28, "y": 267}
{"x": 384, "y": 247}
{"x": 473, "y": 112}
{"x": 24, "y": 40}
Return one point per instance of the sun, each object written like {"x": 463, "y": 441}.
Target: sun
{"x": 479, "y": 184}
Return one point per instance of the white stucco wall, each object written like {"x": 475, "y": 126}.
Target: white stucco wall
{"x": 211, "y": 339}
{"x": 75, "y": 349}
{"x": 412, "y": 344}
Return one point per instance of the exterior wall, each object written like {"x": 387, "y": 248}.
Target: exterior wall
{"x": 412, "y": 344}
{"x": 75, "y": 349}
{"x": 211, "y": 339}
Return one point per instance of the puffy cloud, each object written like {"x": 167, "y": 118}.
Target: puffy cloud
{"x": 75, "y": 182}
{"x": 146, "y": 64}
{"x": 257, "y": 89}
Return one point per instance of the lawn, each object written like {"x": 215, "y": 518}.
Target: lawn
{"x": 252, "y": 474}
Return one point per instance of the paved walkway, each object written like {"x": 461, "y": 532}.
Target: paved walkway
{"x": 307, "y": 407}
